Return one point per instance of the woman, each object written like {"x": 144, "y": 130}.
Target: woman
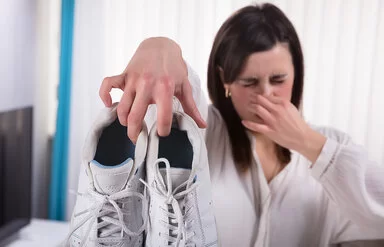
{"x": 277, "y": 181}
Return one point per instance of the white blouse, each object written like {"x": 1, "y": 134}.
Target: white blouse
{"x": 339, "y": 198}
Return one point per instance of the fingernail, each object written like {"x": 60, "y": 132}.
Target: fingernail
{"x": 134, "y": 140}
{"x": 123, "y": 123}
{"x": 245, "y": 123}
{"x": 203, "y": 122}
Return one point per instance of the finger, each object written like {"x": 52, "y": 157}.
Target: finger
{"x": 283, "y": 105}
{"x": 189, "y": 105}
{"x": 164, "y": 116}
{"x": 117, "y": 81}
{"x": 125, "y": 104}
{"x": 274, "y": 99}
{"x": 136, "y": 115}
{"x": 263, "y": 113}
{"x": 256, "y": 127}
{"x": 265, "y": 102}
{"x": 164, "y": 102}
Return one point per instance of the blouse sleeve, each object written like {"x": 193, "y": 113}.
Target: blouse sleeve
{"x": 351, "y": 180}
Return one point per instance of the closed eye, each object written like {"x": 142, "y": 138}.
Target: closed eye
{"x": 278, "y": 78}
{"x": 247, "y": 82}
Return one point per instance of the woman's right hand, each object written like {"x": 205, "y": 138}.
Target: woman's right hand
{"x": 155, "y": 74}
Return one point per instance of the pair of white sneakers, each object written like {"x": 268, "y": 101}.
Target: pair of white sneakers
{"x": 154, "y": 193}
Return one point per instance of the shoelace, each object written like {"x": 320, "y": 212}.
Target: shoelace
{"x": 108, "y": 210}
{"x": 171, "y": 199}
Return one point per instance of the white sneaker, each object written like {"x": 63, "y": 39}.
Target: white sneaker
{"x": 111, "y": 209}
{"x": 180, "y": 208}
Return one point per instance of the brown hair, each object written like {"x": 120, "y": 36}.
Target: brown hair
{"x": 251, "y": 29}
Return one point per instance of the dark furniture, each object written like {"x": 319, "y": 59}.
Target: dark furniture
{"x": 15, "y": 169}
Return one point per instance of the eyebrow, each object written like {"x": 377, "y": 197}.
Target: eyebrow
{"x": 279, "y": 75}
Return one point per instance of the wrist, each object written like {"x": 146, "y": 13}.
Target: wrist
{"x": 312, "y": 145}
{"x": 164, "y": 49}
{"x": 163, "y": 43}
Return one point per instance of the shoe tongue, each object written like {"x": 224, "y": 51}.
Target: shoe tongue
{"x": 178, "y": 176}
{"x": 110, "y": 179}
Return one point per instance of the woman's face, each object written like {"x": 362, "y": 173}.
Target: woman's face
{"x": 267, "y": 73}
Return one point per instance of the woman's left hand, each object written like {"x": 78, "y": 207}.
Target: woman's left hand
{"x": 282, "y": 123}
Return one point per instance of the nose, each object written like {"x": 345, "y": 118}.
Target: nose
{"x": 265, "y": 89}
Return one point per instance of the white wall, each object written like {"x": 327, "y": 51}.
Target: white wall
{"x": 29, "y": 51}
{"x": 17, "y": 52}
{"x": 17, "y": 58}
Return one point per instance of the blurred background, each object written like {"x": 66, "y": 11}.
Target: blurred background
{"x": 54, "y": 55}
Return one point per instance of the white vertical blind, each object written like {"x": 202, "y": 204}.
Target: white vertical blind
{"x": 343, "y": 44}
